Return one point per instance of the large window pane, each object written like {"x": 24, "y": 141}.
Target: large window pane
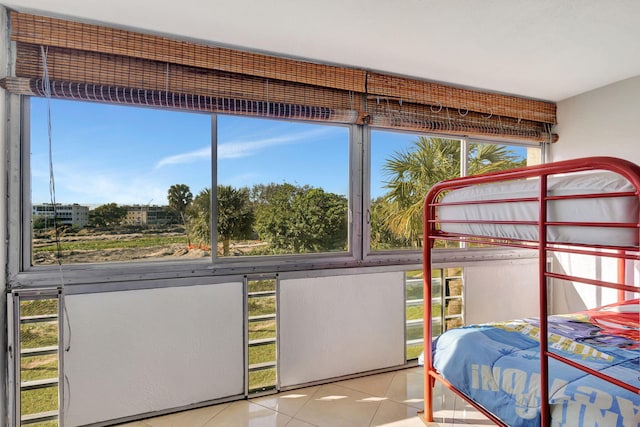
{"x": 483, "y": 158}
{"x": 282, "y": 187}
{"x": 113, "y": 168}
{"x": 403, "y": 168}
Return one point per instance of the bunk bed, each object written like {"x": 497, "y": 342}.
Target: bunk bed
{"x": 562, "y": 370}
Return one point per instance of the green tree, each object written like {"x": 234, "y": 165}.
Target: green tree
{"x": 380, "y": 236}
{"x": 39, "y": 222}
{"x": 180, "y": 198}
{"x": 234, "y": 215}
{"x": 108, "y": 215}
{"x": 199, "y": 217}
{"x": 413, "y": 172}
{"x": 297, "y": 219}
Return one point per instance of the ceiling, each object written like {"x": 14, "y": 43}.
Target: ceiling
{"x": 543, "y": 49}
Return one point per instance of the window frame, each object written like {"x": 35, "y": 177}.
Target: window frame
{"x": 406, "y": 256}
{"x": 102, "y": 276}
{"x": 322, "y": 259}
{"x": 402, "y": 256}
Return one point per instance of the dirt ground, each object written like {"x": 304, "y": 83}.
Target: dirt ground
{"x": 168, "y": 251}
{"x": 176, "y": 250}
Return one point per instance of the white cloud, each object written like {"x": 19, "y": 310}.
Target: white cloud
{"x": 239, "y": 149}
{"x": 190, "y": 157}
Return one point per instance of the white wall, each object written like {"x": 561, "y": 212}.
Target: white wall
{"x": 340, "y": 325}
{"x": 501, "y": 290}
{"x": 602, "y": 122}
{"x": 141, "y": 351}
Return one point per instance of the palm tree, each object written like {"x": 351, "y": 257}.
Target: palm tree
{"x": 180, "y": 198}
{"x": 413, "y": 172}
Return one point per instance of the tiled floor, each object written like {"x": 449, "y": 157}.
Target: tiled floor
{"x": 391, "y": 399}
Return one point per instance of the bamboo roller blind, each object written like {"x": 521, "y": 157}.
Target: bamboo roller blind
{"x": 95, "y": 63}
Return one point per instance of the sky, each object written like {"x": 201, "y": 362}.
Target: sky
{"x": 130, "y": 155}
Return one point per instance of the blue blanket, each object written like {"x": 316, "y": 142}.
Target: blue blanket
{"x": 498, "y": 364}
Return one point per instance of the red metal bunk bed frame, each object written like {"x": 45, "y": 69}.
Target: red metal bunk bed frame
{"x": 628, "y": 170}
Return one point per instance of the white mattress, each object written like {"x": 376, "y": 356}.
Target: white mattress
{"x": 618, "y": 209}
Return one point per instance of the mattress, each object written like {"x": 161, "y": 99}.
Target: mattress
{"x": 605, "y": 209}
{"x": 497, "y": 365}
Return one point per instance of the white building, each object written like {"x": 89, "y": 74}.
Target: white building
{"x": 75, "y": 214}
{"x": 150, "y": 215}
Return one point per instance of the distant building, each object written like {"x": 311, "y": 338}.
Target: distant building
{"x": 150, "y": 215}
{"x": 75, "y": 214}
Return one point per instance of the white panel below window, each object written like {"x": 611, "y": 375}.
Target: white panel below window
{"x": 141, "y": 351}
{"x": 501, "y": 291}
{"x": 336, "y": 326}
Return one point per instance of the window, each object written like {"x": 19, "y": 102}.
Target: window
{"x": 113, "y": 168}
{"x": 404, "y": 166}
{"x": 135, "y": 184}
{"x": 282, "y": 187}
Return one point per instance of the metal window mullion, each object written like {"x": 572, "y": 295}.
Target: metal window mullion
{"x": 16, "y": 354}
{"x": 261, "y": 342}
{"x": 213, "y": 225}
{"x": 462, "y": 297}
{"x": 277, "y": 361}
{"x": 38, "y": 351}
{"x": 404, "y": 330}
{"x": 414, "y": 302}
{"x": 464, "y": 157}
{"x": 39, "y": 319}
{"x": 262, "y": 318}
{"x": 38, "y": 384}
{"x": 261, "y": 294}
{"x": 262, "y": 366}
{"x": 245, "y": 320}
{"x": 443, "y": 288}
{"x": 40, "y": 417}
{"x": 61, "y": 391}
{"x": 359, "y": 137}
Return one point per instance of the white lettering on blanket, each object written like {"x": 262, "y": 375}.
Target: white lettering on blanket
{"x": 587, "y": 405}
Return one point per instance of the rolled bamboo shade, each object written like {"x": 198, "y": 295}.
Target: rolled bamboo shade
{"x": 401, "y": 89}
{"x": 95, "y": 63}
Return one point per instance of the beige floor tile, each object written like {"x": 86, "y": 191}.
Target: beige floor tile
{"x": 451, "y": 410}
{"x": 297, "y": 423}
{"x": 335, "y": 406}
{"x": 193, "y": 418}
{"x": 407, "y": 388}
{"x": 393, "y": 414}
{"x": 288, "y": 403}
{"x": 246, "y": 414}
{"x": 390, "y": 399}
{"x": 375, "y": 385}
